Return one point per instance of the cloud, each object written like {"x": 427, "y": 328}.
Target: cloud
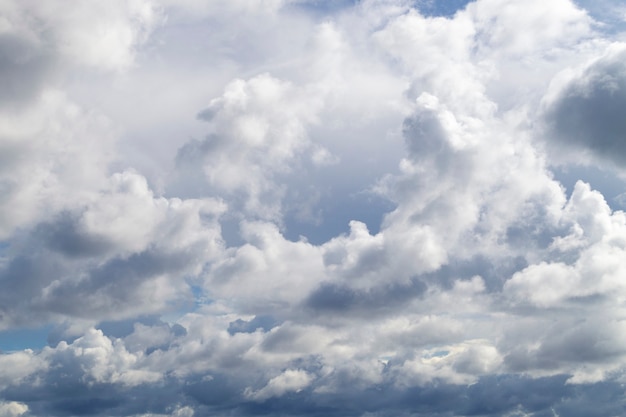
{"x": 584, "y": 112}
{"x": 104, "y": 35}
{"x": 290, "y": 380}
{"x": 25, "y": 67}
{"x": 548, "y": 25}
{"x": 126, "y": 235}
{"x": 187, "y": 202}
{"x": 17, "y": 366}
{"x": 44, "y": 138}
{"x": 12, "y": 409}
{"x": 259, "y": 131}
{"x": 101, "y": 360}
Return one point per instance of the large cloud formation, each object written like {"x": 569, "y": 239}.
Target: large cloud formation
{"x": 284, "y": 208}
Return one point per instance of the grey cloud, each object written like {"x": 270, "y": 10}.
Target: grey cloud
{"x": 601, "y": 399}
{"x": 62, "y": 393}
{"x": 192, "y": 153}
{"x": 83, "y": 288}
{"x": 589, "y": 112}
{"x": 116, "y": 282}
{"x": 123, "y": 328}
{"x": 64, "y": 235}
{"x": 568, "y": 343}
{"x": 332, "y": 298}
{"x": 218, "y": 392}
{"x": 25, "y": 65}
{"x": 532, "y": 230}
{"x": 494, "y": 272}
{"x": 492, "y": 396}
{"x": 372, "y": 258}
{"x": 64, "y": 390}
{"x": 426, "y": 138}
{"x": 262, "y": 322}
{"x": 489, "y": 397}
{"x": 60, "y": 333}
{"x": 22, "y": 280}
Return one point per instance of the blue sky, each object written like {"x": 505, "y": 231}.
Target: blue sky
{"x": 294, "y": 208}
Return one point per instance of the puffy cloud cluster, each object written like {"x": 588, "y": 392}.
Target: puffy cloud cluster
{"x": 81, "y": 240}
{"x": 54, "y": 153}
{"x": 258, "y": 131}
{"x": 195, "y": 288}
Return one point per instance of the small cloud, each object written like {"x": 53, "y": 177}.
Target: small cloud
{"x": 292, "y": 380}
{"x": 12, "y": 409}
{"x": 322, "y": 156}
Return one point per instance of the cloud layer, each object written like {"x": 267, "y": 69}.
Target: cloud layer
{"x": 283, "y": 208}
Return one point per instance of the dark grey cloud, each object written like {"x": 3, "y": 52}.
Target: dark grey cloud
{"x": 332, "y": 298}
{"x": 89, "y": 277}
{"x": 64, "y": 235}
{"x": 589, "y": 112}
{"x": 63, "y": 393}
{"x": 22, "y": 280}
{"x": 67, "y": 388}
{"x": 115, "y": 282}
{"x": 217, "y": 392}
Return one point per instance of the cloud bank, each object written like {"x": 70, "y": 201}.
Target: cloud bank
{"x": 287, "y": 208}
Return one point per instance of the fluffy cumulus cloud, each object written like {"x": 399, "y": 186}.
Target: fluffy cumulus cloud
{"x": 289, "y": 208}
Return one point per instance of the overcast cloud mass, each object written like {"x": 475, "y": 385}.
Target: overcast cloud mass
{"x": 377, "y": 208}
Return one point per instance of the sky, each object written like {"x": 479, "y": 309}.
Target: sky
{"x": 372, "y": 208}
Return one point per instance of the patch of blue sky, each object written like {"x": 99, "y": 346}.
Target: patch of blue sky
{"x": 612, "y": 187}
{"x": 199, "y": 296}
{"x": 612, "y": 13}
{"x": 24, "y": 338}
{"x": 443, "y": 8}
{"x": 323, "y": 7}
{"x": 440, "y": 354}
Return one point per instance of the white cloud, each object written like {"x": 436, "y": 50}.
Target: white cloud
{"x": 255, "y": 275}
{"x": 211, "y": 8}
{"x": 17, "y": 366}
{"x": 292, "y": 380}
{"x": 55, "y": 153}
{"x": 596, "y": 246}
{"x": 104, "y": 35}
{"x": 457, "y": 364}
{"x": 520, "y": 28}
{"x": 258, "y": 130}
{"x": 99, "y": 359}
{"x": 12, "y": 409}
